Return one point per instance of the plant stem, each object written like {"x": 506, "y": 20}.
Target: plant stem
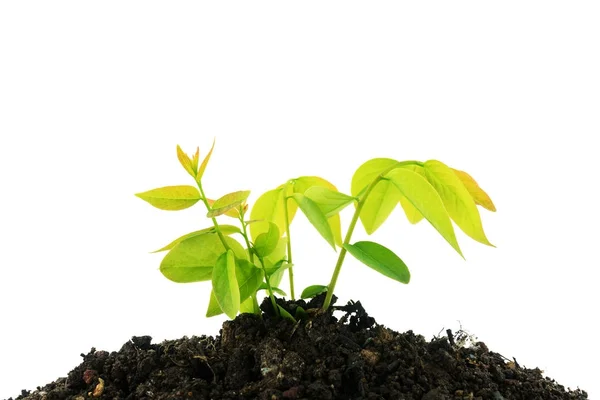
{"x": 270, "y": 289}
{"x": 289, "y": 239}
{"x": 245, "y": 234}
{"x": 214, "y": 220}
{"x": 359, "y": 206}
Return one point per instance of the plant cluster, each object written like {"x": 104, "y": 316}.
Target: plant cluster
{"x": 239, "y": 269}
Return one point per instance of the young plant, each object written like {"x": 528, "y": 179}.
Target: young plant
{"x": 239, "y": 270}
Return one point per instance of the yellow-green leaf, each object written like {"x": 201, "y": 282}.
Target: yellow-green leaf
{"x": 272, "y": 259}
{"x": 233, "y": 213}
{"x": 383, "y": 198}
{"x": 225, "y": 284}
{"x": 421, "y": 194}
{"x": 225, "y": 230}
{"x": 315, "y": 217}
{"x": 479, "y": 195}
{"x": 227, "y": 203}
{"x": 250, "y": 306}
{"x": 331, "y": 202}
{"x": 305, "y": 183}
{"x": 457, "y": 199}
{"x": 171, "y": 198}
{"x": 266, "y": 242}
{"x": 249, "y": 281}
{"x": 195, "y": 160}
{"x": 204, "y": 163}
{"x": 267, "y": 208}
{"x": 185, "y": 162}
{"x": 412, "y": 214}
{"x": 193, "y": 259}
{"x": 381, "y": 259}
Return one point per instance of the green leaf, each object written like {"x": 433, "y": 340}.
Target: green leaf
{"x": 279, "y": 266}
{"x": 381, "y": 259}
{"x": 312, "y": 291}
{"x": 263, "y": 286}
{"x": 329, "y": 201}
{"x": 204, "y": 163}
{"x": 185, "y": 162}
{"x": 383, "y": 198}
{"x": 213, "y": 306}
{"x": 193, "y": 259}
{"x": 267, "y": 208}
{"x": 272, "y": 259}
{"x": 417, "y": 190}
{"x": 249, "y": 278}
{"x": 412, "y": 214}
{"x": 250, "y": 306}
{"x": 225, "y": 284}
{"x": 301, "y": 313}
{"x": 266, "y": 242}
{"x": 225, "y": 230}
{"x": 249, "y": 282}
{"x": 285, "y": 314}
{"x": 315, "y": 217}
{"x": 458, "y": 201}
{"x": 171, "y": 198}
{"x": 228, "y": 202}
{"x": 302, "y": 185}
{"x": 479, "y": 195}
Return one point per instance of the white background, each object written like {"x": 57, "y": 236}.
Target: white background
{"x": 94, "y": 98}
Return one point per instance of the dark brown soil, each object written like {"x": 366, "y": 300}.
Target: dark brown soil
{"x": 318, "y": 358}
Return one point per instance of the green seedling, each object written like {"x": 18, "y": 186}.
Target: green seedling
{"x": 239, "y": 269}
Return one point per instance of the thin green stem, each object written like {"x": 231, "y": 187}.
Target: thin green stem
{"x": 289, "y": 239}
{"x": 214, "y": 220}
{"x": 361, "y": 201}
{"x": 245, "y": 234}
{"x": 269, "y": 288}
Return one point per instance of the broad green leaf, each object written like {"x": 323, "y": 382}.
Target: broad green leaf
{"x": 279, "y": 266}
{"x": 204, "y": 163}
{"x": 193, "y": 259}
{"x": 315, "y": 217}
{"x": 302, "y": 185}
{"x": 225, "y": 230}
{"x": 412, "y": 214}
{"x": 213, "y": 306}
{"x": 417, "y": 190}
{"x": 267, "y": 208}
{"x": 250, "y": 306}
{"x": 329, "y": 201}
{"x": 249, "y": 278}
{"x": 185, "y": 162}
{"x": 479, "y": 195}
{"x": 233, "y": 213}
{"x": 383, "y": 198}
{"x": 312, "y": 291}
{"x": 458, "y": 201}
{"x": 272, "y": 259}
{"x": 285, "y": 314}
{"x": 249, "y": 282}
{"x": 225, "y": 284}
{"x": 171, "y": 198}
{"x": 228, "y": 202}
{"x": 263, "y": 286}
{"x": 381, "y": 259}
{"x": 266, "y": 242}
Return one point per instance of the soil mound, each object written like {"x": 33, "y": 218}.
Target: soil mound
{"x": 322, "y": 357}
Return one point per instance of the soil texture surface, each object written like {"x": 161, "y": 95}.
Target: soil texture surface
{"x": 319, "y": 357}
